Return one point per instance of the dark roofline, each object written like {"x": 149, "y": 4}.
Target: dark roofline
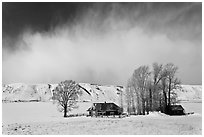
{"x": 103, "y": 103}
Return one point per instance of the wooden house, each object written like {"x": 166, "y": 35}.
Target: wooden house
{"x": 104, "y": 109}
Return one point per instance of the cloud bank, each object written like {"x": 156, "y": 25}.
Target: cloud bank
{"x": 106, "y": 42}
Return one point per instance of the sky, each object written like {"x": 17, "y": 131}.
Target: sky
{"x": 99, "y": 43}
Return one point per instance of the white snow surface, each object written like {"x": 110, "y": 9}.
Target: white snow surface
{"x": 156, "y": 114}
{"x": 41, "y": 118}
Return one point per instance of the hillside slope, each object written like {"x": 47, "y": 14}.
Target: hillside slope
{"x": 190, "y": 93}
{"x": 43, "y": 92}
{"x": 90, "y": 92}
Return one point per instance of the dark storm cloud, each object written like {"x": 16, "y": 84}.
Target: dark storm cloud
{"x": 99, "y": 42}
{"x": 44, "y": 17}
{"x": 38, "y": 17}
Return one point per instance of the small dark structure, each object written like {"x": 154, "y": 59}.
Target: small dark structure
{"x": 175, "y": 110}
{"x": 104, "y": 109}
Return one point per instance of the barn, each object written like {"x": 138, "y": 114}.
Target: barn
{"x": 104, "y": 109}
{"x": 176, "y": 110}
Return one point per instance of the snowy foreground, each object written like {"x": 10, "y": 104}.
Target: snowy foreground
{"x": 43, "y": 118}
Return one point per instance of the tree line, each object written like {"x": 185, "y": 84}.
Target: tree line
{"x": 152, "y": 90}
{"x": 147, "y": 90}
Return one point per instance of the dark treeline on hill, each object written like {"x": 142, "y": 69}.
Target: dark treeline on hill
{"x": 152, "y": 90}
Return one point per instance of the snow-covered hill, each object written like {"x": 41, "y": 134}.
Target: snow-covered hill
{"x": 90, "y": 92}
{"x": 24, "y": 92}
{"x": 98, "y": 93}
{"x": 43, "y": 92}
{"x": 190, "y": 93}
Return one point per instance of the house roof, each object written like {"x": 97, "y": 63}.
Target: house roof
{"x": 176, "y": 107}
{"x": 104, "y": 103}
{"x": 91, "y": 108}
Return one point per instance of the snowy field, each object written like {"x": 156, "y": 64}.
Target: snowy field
{"x": 195, "y": 107}
{"x": 43, "y": 118}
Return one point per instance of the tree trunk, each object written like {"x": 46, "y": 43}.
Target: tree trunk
{"x": 65, "y": 111}
{"x": 147, "y": 106}
{"x": 154, "y": 98}
{"x": 169, "y": 103}
{"x": 165, "y": 101}
{"x": 143, "y": 102}
{"x": 128, "y": 109}
{"x": 133, "y": 105}
{"x": 129, "y": 100}
{"x": 150, "y": 99}
{"x": 138, "y": 106}
{"x": 143, "y": 107}
{"x": 160, "y": 103}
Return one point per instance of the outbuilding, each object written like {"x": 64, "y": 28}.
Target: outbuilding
{"x": 176, "y": 110}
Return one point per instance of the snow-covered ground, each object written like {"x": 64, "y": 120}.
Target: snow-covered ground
{"x": 195, "y": 107}
{"x": 25, "y": 112}
{"x": 43, "y": 118}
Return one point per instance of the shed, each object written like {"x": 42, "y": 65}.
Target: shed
{"x": 176, "y": 110}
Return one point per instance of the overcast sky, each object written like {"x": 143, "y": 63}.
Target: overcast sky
{"x": 99, "y": 42}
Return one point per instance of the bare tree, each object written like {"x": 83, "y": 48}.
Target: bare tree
{"x": 157, "y": 77}
{"x": 153, "y": 90}
{"x": 164, "y": 91}
{"x": 131, "y": 97}
{"x": 140, "y": 83}
{"x": 66, "y": 94}
{"x": 149, "y": 96}
{"x": 169, "y": 82}
{"x": 173, "y": 82}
